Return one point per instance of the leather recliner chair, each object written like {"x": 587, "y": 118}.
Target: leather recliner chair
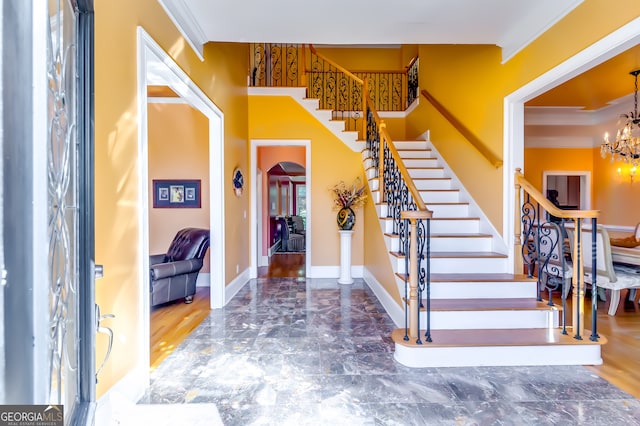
{"x": 173, "y": 274}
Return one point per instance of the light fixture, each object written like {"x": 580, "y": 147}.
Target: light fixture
{"x": 631, "y": 172}
{"x": 626, "y": 147}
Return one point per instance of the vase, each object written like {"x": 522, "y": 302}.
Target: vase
{"x": 346, "y": 219}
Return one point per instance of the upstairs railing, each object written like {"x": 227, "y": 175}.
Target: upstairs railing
{"x": 542, "y": 250}
{"x": 337, "y": 89}
{"x": 464, "y": 131}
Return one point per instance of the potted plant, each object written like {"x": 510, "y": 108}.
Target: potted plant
{"x": 346, "y": 198}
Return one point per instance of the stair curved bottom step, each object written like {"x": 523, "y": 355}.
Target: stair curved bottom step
{"x": 512, "y": 347}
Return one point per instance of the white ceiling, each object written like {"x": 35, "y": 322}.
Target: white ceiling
{"x": 510, "y": 24}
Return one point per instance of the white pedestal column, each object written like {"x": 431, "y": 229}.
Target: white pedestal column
{"x": 345, "y": 257}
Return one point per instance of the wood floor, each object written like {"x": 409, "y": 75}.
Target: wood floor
{"x": 172, "y": 323}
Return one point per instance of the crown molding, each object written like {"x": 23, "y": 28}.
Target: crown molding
{"x": 577, "y": 116}
{"x": 186, "y": 23}
{"x": 562, "y": 141}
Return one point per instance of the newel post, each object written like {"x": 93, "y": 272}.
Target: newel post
{"x": 518, "y": 262}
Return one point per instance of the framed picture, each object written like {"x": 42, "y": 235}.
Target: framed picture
{"x": 173, "y": 193}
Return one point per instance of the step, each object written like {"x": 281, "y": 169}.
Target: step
{"x": 450, "y": 210}
{"x": 488, "y": 285}
{"x": 415, "y": 144}
{"x": 426, "y": 171}
{"x": 427, "y": 184}
{"x": 497, "y": 347}
{"x": 441, "y": 225}
{"x": 498, "y": 313}
{"x": 449, "y": 242}
{"x": 420, "y": 162}
{"x": 447, "y": 262}
{"x": 415, "y": 153}
{"x": 441, "y": 196}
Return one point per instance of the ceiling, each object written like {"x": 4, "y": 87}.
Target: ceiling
{"x": 510, "y": 24}
{"x": 596, "y": 88}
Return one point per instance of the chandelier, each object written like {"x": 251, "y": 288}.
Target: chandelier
{"x": 626, "y": 147}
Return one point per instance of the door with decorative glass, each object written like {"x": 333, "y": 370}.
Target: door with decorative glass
{"x": 73, "y": 316}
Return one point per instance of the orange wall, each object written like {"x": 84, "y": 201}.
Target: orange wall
{"x": 538, "y": 160}
{"x": 280, "y": 117}
{"x": 222, "y": 76}
{"x": 178, "y": 149}
{"x": 269, "y": 156}
{"x": 615, "y": 196}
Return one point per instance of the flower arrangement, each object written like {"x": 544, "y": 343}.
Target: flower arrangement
{"x": 349, "y": 196}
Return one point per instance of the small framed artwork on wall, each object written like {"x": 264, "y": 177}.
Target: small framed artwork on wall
{"x": 174, "y": 193}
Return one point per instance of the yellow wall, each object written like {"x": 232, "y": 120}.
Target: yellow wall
{"x": 280, "y": 117}
{"x": 178, "y": 149}
{"x": 222, "y": 76}
{"x": 376, "y": 254}
{"x": 365, "y": 59}
{"x": 471, "y": 83}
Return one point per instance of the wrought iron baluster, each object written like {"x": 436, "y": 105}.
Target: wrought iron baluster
{"x": 594, "y": 286}
{"x": 424, "y": 268}
{"x": 412, "y": 82}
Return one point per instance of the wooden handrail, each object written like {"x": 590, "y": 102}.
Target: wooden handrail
{"x": 548, "y": 205}
{"x": 384, "y": 135}
{"x": 342, "y": 69}
{"x": 477, "y": 143}
{"x": 410, "y": 64}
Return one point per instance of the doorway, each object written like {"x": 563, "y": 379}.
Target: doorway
{"x": 574, "y": 188}
{"x": 261, "y": 210}
{"x": 156, "y": 68}
{"x": 618, "y": 41}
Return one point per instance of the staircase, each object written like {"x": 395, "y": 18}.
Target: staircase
{"x": 481, "y": 314}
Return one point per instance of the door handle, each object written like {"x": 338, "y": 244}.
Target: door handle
{"x": 108, "y": 332}
{"x": 98, "y": 271}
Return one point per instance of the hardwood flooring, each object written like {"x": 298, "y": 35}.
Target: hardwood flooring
{"x": 172, "y": 323}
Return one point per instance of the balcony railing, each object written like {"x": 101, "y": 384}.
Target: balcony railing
{"x": 337, "y": 89}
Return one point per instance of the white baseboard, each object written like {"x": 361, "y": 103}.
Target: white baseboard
{"x": 334, "y": 271}
{"x": 236, "y": 284}
{"x": 130, "y": 388}
{"x": 203, "y": 280}
{"x": 391, "y": 306}
{"x": 264, "y": 261}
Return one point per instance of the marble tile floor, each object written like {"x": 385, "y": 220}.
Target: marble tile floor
{"x": 296, "y": 351}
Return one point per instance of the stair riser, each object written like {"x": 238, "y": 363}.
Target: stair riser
{"x": 449, "y": 265}
{"x": 462, "y": 244}
{"x": 439, "y": 210}
{"x": 410, "y": 144}
{"x": 478, "y": 290}
{"x": 427, "y": 173}
{"x": 415, "y": 154}
{"x": 423, "y": 162}
{"x": 440, "y": 196}
{"x": 470, "y": 356}
{"x": 494, "y": 319}
{"x": 431, "y": 184}
{"x": 461, "y": 226}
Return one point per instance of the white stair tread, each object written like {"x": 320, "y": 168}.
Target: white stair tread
{"x": 497, "y": 337}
